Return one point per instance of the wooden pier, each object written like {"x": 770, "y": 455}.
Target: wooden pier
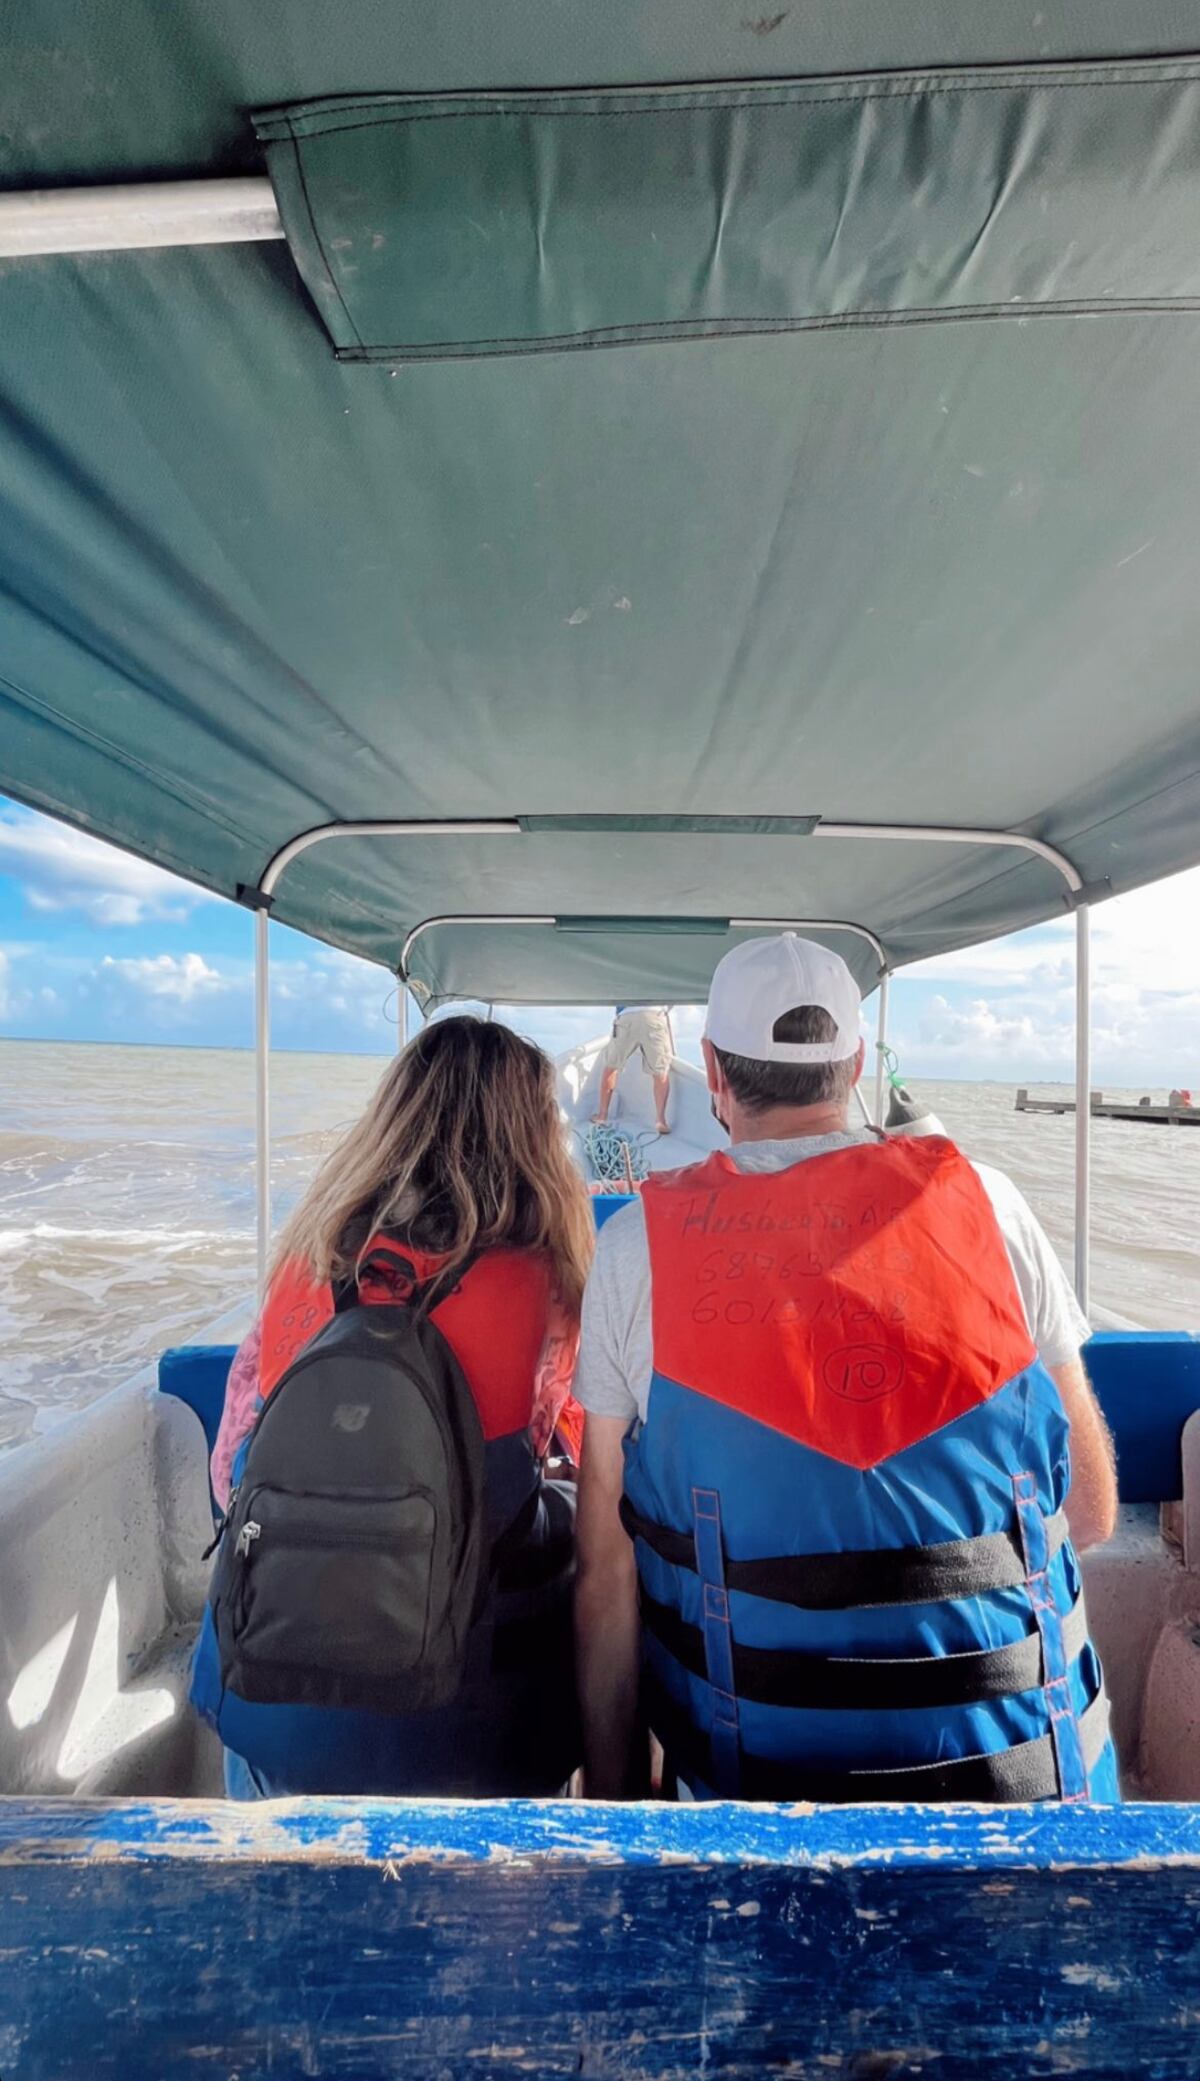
{"x": 1108, "y": 1109}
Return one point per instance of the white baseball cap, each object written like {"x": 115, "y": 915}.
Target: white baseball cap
{"x": 762, "y": 979}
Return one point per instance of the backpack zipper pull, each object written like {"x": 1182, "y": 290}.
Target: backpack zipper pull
{"x": 249, "y": 1532}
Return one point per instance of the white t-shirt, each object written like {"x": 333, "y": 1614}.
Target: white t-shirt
{"x": 616, "y": 1355}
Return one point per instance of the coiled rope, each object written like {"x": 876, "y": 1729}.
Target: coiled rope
{"x": 615, "y": 1158}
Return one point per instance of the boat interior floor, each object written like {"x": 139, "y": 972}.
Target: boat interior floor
{"x": 689, "y": 1116}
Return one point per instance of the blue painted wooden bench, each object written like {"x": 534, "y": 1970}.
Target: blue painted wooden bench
{"x": 1148, "y": 1383}
{"x": 454, "y": 1942}
{"x": 451, "y": 1943}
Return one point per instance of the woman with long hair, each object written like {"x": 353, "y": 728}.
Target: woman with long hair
{"x": 456, "y": 1182}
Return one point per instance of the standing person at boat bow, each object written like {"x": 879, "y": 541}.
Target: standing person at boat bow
{"x": 645, "y": 1028}
{"x": 830, "y": 1379}
{"x": 390, "y": 1609}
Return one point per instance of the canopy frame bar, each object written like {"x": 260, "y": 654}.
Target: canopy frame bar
{"x": 824, "y": 827}
{"x": 937, "y": 834}
{"x": 544, "y": 918}
{"x": 386, "y": 827}
{"x": 124, "y": 219}
{"x": 947, "y": 834}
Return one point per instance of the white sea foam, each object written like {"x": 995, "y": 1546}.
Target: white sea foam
{"x": 120, "y": 1238}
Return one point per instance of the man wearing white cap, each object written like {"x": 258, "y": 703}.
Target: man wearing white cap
{"x": 830, "y": 1378}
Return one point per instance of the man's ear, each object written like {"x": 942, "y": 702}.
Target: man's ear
{"x": 712, "y": 1068}
{"x": 859, "y": 1062}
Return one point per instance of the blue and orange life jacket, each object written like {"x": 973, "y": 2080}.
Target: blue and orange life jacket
{"x": 847, "y": 1497}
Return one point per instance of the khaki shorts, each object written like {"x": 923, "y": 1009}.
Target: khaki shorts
{"x": 649, "y": 1031}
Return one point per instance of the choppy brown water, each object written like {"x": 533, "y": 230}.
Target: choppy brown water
{"x": 126, "y": 1201}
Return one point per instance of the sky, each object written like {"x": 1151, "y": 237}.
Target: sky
{"x": 98, "y": 946}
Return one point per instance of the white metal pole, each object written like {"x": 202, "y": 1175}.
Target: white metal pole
{"x": 262, "y": 1107}
{"x": 401, "y": 1016}
{"x": 950, "y": 834}
{"x": 1083, "y": 1104}
{"x": 139, "y": 213}
{"x": 880, "y": 1045}
{"x": 386, "y": 827}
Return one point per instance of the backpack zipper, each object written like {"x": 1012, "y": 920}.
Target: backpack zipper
{"x": 341, "y": 1537}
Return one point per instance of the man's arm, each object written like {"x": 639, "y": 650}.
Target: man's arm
{"x": 606, "y": 1615}
{"x": 1059, "y": 1328}
{"x": 1092, "y": 1496}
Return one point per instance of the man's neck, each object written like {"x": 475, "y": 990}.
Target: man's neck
{"x": 786, "y": 1123}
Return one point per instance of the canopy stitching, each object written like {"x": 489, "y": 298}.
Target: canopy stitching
{"x": 749, "y": 96}
{"x": 685, "y": 329}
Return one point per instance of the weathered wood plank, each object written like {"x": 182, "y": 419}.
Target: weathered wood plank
{"x": 1113, "y": 1109}
{"x": 450, "y": 1942}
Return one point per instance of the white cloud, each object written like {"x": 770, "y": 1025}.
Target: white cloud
{"x": 16, "y": 997}
{"x": 1028, "y": 960}
{"x": 1148, "y": 940}
{"x": 59, "y": 869}
{"x": 988, "y": 1032}
{"x": 1007, "y": 1009}
{"x": 322, "y": 1000}
{"x": 307, "y": 989}
{"x": 180, "y": 977}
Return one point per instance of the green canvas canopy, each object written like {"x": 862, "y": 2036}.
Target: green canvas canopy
{"x": 664, "y": 430}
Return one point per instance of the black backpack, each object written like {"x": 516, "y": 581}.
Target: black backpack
{"x": 353, "y": 1557}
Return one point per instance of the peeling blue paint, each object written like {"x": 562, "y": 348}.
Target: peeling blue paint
{"x": 797, "y": 1837}
{"x": 347, "y": 1938}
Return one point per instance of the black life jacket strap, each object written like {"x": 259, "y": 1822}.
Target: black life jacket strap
{"x": 830, "y": 1683}
{"x": 1017, "y": 1776}
{"x": 852, "y": 1581}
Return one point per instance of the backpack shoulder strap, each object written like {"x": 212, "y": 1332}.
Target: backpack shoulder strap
{"x": 424, "y": 1297}
{"x": 428, "y": 1298}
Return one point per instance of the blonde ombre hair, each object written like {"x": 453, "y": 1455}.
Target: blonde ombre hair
{"x": 461, "y": 1150}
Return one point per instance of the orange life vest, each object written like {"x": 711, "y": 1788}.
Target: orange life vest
{"x": 495, "y": 1323}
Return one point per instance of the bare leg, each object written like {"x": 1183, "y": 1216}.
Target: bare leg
{"x": 608, "y": 1084}
{"x": 662, "y": 1092}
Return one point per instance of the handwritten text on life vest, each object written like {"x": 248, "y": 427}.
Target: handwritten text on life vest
{"x": 860, "y": 1270}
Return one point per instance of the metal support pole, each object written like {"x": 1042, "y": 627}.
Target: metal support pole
{"x": 880, "y": 1045}
{"x": 1083, "y": 1104}
{"x": 138, "y": 213}
{"x": 262, "y": 1105}
{"x": 401, "y": 1016}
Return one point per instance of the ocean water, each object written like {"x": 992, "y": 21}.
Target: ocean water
{"x": 127, "y": 1201}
